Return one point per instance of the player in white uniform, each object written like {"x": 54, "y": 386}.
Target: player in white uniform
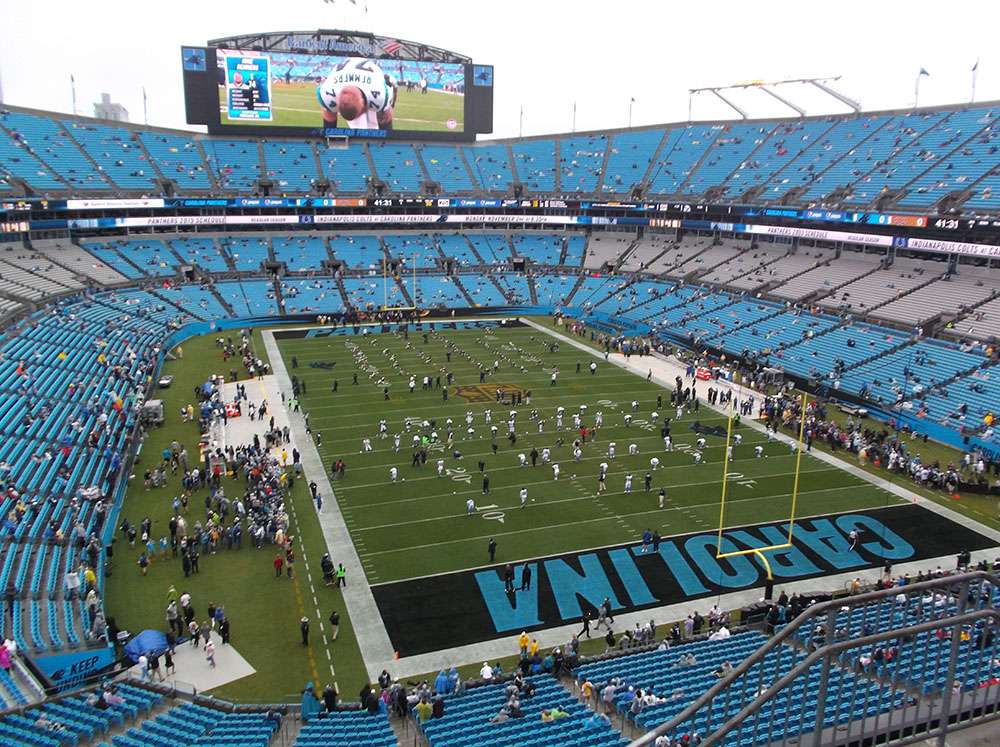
{"x": 359, "y": 91}
{"x": 555, "y": 471}
{"x": 758, "y": 451}
{"x": 628, "y": 482}
{"x": 633, "y": 449}
{"x": 440, "y": 467}
{"x": 393, "y": 473}
{"x": 366, "y": 445}
{"x": 524, "y": 497}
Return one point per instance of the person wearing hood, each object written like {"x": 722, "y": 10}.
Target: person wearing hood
{"x": 310, "y": 704}
{"x": 452, "y": 680}
{"x": 441, "y": 683}
{"x": 330, "y": 698}
{"x": 384, "y": 680}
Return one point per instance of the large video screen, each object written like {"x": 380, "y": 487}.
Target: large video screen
{"x": 352, "y": 94}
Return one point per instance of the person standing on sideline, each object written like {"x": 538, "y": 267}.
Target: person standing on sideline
{"x": 586, "y": 625}
{"x": 304, "y": 629}
{"x": 663, "y": 496}
{"x": 491, "y": 548}
{"x": 279, "y": 562}
{"x": 525, "y": 577}
{"x": 647, "y": 538}
{"x": 334, "y": 624}
{"x": 341, "y": 575}
{"x": 210, "y": 654}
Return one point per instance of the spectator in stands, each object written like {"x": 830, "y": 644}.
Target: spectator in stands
{"x": 329, "y": 698}
{"x": 723, "y": 669}
{"x": 438, "y": 710}
{"x": 486, "y": 671}
{"x": 310, "y": 704}
{"x": 553, "y": 714}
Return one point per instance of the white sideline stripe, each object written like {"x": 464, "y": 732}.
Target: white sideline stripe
{"x": 373, "y": 640}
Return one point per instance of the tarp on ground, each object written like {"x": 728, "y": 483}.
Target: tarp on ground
{"x": 145, "y": 643}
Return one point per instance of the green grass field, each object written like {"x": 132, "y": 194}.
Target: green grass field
{"x": 419, "y": 525}
{"x": 295, "y": 105}
{"x": 264, "y": 612}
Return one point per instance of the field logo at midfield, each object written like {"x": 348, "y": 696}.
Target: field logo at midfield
{"x": 486, "y": 392}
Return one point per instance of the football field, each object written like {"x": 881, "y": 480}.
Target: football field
{"x": 420, "y": 525}
{"x": 295, "y": 105}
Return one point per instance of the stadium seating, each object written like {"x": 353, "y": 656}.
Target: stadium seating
{"x": 812, "y": 166}
{"x": 555, "y": 290}
{"x": 77, "y": 262}
{"x": 346, "y": 168}
{"x": 234, "y": 163}
{"x": 292, "y": 165}
{"x": 959, "y": 170}
{"x": 116, "y": 153}
{"x": 446, "y": 166}
{"x": 198, "y": 301}
{"x": 373, "y": 292}
{"x": 315, "y": 295}
{"x": 491, "y": 166}
{"x": 18, "y": 161}
{"x": 726, "y": 154}
{"x": 358, "y": 251}
{"x": 245, "y": 252}
{"x": 829, "y": 276}
{"x": 535, "y": 161}
{"x": 347, "y": 729}
{"x": 680, "y": 152}
{"x": 544, "y": 249}
{"x": 494, "y": 248}
{"x": 581, "y": 163}
{"x": 883, "y": 285}
{"x": 137, "y": 258}
{"x": 466, "y": 720}
{"x": 783, "y": 146}
{"x": 179, "y": 158}
{"x": 300, "y": 252}
{"x": 438, "y": 291}
{"x": 250, "y": 298}
{"x": 482, "y": 290}
{"x": 414, "y": 251}
{"x": 49, "y": 142}
{"x": 910, "y": 162}
{"x": 398, "y": 166}
{"x": 201, "y": 253}
{"x": 455, "y": 246}
{"x": 607, "y": 248}
{"x": 629, "y": 156}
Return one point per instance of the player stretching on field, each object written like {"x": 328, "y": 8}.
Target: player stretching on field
{"x": 360, "y": 92}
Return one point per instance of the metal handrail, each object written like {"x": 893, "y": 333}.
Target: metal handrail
{"x": 793, "y": 627}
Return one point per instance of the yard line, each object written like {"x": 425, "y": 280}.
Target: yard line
{"x": 563, "y": 463}
{"x": 536, "y": 482}
{"x": 589, "y": 496}
{"x": 590, "y": 521}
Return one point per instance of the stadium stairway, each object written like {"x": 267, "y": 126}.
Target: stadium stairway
{"x": 463, "y": 291}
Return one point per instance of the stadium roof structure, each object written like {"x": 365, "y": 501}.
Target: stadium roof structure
{"x": 335, "y": 41}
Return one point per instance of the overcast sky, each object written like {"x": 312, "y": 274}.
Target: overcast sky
{"x": 548, "y": 54}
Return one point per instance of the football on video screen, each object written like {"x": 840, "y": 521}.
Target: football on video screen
{"x": 284, "y": 89}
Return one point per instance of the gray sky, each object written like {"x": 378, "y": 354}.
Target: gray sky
{"x": 547, "y": 54}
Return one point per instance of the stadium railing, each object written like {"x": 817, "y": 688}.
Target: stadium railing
{"x": 945, "y": 664}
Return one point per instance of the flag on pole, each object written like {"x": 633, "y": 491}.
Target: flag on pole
{"x": 392, "y": 47}
{"x": 633, "y": 100}
{"x": 923, "y": 71}
{"x": 976, "y": 66}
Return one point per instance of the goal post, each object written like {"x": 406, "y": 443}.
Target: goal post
{"x": 759, "y": 551}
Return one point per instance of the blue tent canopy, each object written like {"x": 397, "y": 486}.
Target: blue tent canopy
{"x": 147, "y": 642}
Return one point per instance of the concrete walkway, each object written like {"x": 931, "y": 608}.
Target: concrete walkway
{"x": 376, "y": 648}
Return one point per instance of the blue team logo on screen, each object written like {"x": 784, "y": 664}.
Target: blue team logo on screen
{"x": 482, "y": 75}
{"x": 194, "y": 59}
